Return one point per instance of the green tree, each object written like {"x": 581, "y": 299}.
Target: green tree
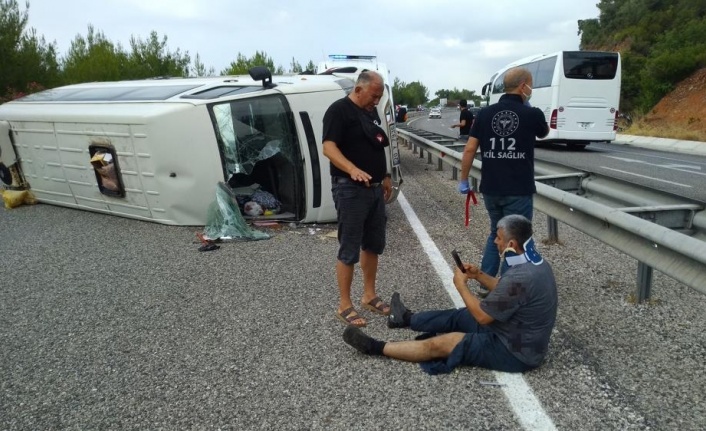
{"x": 310, "y": 66}
{"x": 94, "y": 58}
{"x": 151, "y": 58}
{"x": 242, "y": 64}
{"x": 455, "y": 95}
{"x": 661, "y": 42}
{"x": 27, "y": 62}
{"x": 199, "y": 69}
{"x": 295, "y": 67}
{"x": 412, "y": 94}
{"x": 38, "y": 62}
{"x": 442, "y": 93}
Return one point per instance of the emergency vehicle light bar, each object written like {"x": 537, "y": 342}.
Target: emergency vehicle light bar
{"x": 351, "y": 57}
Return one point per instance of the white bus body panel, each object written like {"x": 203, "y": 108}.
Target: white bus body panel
{"x": 168, "y": 152}
{"x": 168, "y": 167}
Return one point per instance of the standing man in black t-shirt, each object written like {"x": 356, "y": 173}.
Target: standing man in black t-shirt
{"x": 465, "y": 121}
{"x": 360, "y": 185}
{"x": 506, "y": 133}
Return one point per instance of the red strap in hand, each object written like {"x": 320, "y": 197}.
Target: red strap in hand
{"x": 470, "y": 196}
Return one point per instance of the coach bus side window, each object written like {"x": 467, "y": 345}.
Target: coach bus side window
{"x": 499, "y": 84}
{"x": 545, "y": 72}
{"x": 532, "y": 69}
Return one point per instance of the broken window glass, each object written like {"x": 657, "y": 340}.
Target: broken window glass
{"x": 226, "y": 222}
{"x": 261, "y": 157}
{"x": 252, "y": 130}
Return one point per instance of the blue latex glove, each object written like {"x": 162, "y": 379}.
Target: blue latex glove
{"x": 464, "y": 188}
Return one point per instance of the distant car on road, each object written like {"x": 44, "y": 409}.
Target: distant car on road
{"x": 435, "y": 113}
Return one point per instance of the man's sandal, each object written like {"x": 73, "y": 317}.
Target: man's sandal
{"x": 349, "y": 316}
{"x": 376, "y": 305}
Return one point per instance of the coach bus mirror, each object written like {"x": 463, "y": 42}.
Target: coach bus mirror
{"x": 485, "y": 88}
{"x": 261, "y": 73}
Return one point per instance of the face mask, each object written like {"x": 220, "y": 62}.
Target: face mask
{"x": 527, "y": 97}
{"x": 530, "y": 254}
{"x": 509, "y": 251}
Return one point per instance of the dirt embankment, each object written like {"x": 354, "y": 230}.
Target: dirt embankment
{"x": 682, "y": 112}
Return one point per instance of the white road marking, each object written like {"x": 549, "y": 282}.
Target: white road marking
{"x": 681, "y": 168}
{"x": 625, "y": 159}
{"x": 652, "y": 156}
{"x": 645, "y": 176}
{"x": 524, "y": 403}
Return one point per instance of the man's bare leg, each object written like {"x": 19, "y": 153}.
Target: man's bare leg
{"x": 344, "y": 277}
{"x": 437, "y": 347}
{"x": 369, "y": 265}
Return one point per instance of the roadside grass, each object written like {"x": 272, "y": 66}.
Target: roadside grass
{"x": 696, "y": 131}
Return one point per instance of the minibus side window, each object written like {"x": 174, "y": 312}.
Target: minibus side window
{"x": 105, "y": 164}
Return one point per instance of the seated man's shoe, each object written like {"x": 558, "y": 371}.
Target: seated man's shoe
{"x": 356, "y": 338}
{"x": 399, "y": 314}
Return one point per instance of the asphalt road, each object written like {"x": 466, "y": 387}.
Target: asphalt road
{"x": 110, "y": 323}
{"x": 674, "y": 173}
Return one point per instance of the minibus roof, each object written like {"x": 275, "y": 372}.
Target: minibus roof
{"x": 194, "y": 90}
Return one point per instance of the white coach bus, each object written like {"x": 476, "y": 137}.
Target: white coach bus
{"x": 578, "y": 91}
{"x": 158, "y": 149}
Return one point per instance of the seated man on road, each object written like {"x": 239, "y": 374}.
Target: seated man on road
{"x": 509, "y": 330}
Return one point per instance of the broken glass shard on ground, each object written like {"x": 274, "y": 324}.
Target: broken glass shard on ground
{"x": 226, "y": 221}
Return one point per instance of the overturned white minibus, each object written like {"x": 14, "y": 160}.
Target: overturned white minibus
{"x": 157, "y": 149}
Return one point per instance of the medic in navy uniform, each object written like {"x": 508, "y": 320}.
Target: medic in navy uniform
{"x": 506, "y": 133}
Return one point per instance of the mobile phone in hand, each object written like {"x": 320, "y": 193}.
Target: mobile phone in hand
{"x": 457, "y": 258}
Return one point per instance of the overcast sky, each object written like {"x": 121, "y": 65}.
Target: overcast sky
{"x": 442, "y": 44}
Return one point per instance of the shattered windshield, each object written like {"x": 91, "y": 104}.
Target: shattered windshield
{"x": 254, "y": 129}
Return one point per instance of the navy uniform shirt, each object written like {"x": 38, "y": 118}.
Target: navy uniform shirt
{"x": 507, "y": 131}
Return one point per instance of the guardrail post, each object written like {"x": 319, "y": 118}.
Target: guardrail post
{"x": 454, "y": 173}
{"x": 644, "y": 282}
{"x": 428, "y": 158}
{"x": 552, "y": 230}
{"x": 439, "y": 165}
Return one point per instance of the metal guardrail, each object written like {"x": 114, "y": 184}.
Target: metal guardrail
{"x": 597, "y": 207}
